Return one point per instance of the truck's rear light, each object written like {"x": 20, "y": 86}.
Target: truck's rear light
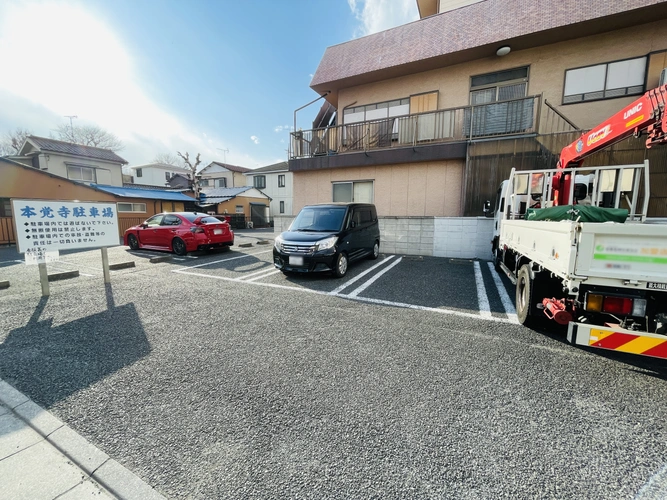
{"x": 593, "y": 302}
{"x": 197, "y": 229}
{"x": 617, "y": 305}
{"x": 639, "y": 308}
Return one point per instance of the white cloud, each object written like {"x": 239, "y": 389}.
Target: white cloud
{"x": 106, "y": 90}
{"x": 254, "y": 139}
{"x": 379, "y": 15}
{"x": 281, "y": 128}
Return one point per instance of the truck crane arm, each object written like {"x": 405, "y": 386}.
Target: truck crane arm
{"x": 646, "y": 114}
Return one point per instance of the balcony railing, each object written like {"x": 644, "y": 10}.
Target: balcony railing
{"x": 513, "y": 117}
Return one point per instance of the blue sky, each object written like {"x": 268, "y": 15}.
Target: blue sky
{"x": 166, "y": 75}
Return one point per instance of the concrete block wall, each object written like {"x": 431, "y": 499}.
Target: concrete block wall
{"x": 456, "y": 237}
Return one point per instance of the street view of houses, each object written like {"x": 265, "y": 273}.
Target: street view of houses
{"x": 362, "y": 249}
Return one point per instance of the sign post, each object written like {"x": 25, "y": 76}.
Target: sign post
{"x": 44, "y": 227}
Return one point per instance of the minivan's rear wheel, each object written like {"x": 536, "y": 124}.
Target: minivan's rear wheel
{"x": 340, "y": 269}
{"x": 376, "y": 250}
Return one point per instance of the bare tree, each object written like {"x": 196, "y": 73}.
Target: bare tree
{"x": 13, "y": 140}
{"x": 168, "y": 159}
{"x": 193, "y": 171}
{"x": 89, "y": 135}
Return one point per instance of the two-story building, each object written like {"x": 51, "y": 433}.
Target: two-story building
{"x": 222, "y": 175}
{"x": 431, "y": 115}
{"x": 155, "y": 174}
{"x": 76, "y": 162}
{"x": 276, "y": 182}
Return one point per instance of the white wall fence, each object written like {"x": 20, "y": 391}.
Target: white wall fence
{"x": 456, "y": 237}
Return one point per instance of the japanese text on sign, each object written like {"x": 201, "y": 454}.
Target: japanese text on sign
{"x": 59, "y": 225}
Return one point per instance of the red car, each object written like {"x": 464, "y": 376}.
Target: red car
{"x": 180, "y": 232}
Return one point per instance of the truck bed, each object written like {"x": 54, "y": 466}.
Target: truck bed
{"x": 601, "y": 253}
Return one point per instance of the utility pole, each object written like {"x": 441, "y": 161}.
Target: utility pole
{"x": 224, "y": 154}
{"x": 71, "y": 126}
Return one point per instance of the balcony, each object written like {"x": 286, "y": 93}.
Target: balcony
{"x": 494, "y": 120}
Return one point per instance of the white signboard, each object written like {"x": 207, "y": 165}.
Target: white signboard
{"x": 40, "y": 255}
{"x": 63, "y": 225}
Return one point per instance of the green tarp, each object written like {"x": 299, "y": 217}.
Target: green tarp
{"x": 584, "y": 213}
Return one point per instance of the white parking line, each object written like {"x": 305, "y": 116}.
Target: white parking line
{"x": 358, "y": 277}
{"x": 261, "y": 271}
{"x": 263, "y": 276}
{"x": 363, "y": 287}
{"x": 482, "y": 298}
{"x": 358, "y": 299}
{"x": 504, "y": 298}
{"x": 223, "y": 260}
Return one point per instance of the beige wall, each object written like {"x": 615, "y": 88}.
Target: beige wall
{"x": 547, "y": 73}
{"x": 421, "y": 189}
{"x": 446, "y": 5}
{"x": 107, "y": 173}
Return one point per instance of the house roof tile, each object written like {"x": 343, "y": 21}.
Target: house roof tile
{"x": 233, "y": 168}
{"x": 55, "y": 146}
{"x": 276, "y": 167}
{"x": 151, "y": 194}
{"x": 486, "y": 23}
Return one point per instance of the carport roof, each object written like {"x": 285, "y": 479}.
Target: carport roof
{"x": 151, "y": 194}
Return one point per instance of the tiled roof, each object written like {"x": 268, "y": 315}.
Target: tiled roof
{"x": 276, "y": 167}
{"x": 233, "y": 168}
{"x": 55, "y": 146}
{"x": 491, "y": 22}
{"x": 164, "y": 166}
{"x": 151, "y": 194}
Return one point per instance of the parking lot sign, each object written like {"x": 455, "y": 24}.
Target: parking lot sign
{"x": 64, "y": 225}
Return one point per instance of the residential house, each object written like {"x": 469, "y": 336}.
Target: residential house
{"x": 222, "y": 175}
{"x": 76, "y": 162}
{"x": 245, "y": 204}
{"x": 134, "y": 205}
{"x": 276, "y": 182}
{"x": 180, "y": 181}
{"x": 431, "y": 115}
{"x": 155, "y": 174}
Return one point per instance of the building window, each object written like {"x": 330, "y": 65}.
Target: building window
{"x": 499, "y": 86}
{"x": 85, "y": 174}
{"x": 282, "y": 207}
{"x": 239, "y": 209}
{"x": 203, "y": 182}
{"x": 259, "y": 181}
{"x": 140, "y": 172}
{"x": 132, "y": 207}
{"x": 605, "y": 81}
{"x": 359, "y": 192}
{"x": 6, "y": 208}
{"x": 377, "y": 111}
{"x": 221, "y": 183}
{"x": 281, "y": 181}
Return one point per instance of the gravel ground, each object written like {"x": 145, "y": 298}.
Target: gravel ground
{"x": 215, "y": 389}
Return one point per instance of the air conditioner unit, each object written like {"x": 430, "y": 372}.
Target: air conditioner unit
{"x": 663, "y": 77}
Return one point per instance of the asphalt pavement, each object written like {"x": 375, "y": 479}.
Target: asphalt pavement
{"x": 205, "y": 386}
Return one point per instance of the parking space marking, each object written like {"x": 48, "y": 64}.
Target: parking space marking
{"x": 272, "y": 285}
{"x": 482, "y": 298}
{"x": 510, "y": 311}
{"x": 223, "y": 260}
{"x": 359, "y": 276}
{"x": 363, "y": 287}
{"x": 425, "y": 308}
{"x": 264, "y": 275}
{"x": 261, "y": 271}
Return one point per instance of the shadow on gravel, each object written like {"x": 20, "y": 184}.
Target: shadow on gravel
{"x": 49, "y": 363}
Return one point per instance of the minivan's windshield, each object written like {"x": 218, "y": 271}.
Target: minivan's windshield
{"x": 319, "y": 219}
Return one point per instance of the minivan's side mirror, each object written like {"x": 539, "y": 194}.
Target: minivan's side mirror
{"x": 487, "y": 209}
{"x": 353, "y": 224}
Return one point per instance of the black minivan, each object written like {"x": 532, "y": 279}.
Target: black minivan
{"x": 327, "y": 237}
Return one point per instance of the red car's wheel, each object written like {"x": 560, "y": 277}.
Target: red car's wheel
{"x": 132, "y": 242}
{"x": 178, "y": 245}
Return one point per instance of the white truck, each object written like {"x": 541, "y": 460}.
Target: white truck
{"x": 577, "y": 244}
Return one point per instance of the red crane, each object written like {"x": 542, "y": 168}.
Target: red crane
{"x": 646, "y": 114}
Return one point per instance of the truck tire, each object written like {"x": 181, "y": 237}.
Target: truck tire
{"x": 524, "y": 296}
